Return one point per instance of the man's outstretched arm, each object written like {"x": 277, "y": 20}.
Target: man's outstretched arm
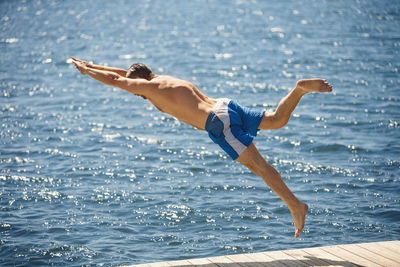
{"x": 118, "y": 71}
{"x": 135, "y": 86}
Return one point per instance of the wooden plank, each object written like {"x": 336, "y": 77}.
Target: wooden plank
{"x": 327, "y": 257}
{"x": 263, "y": 259}
{"x": 346, "y": 255}
{"x": 393, "y": 242}
{"x": 382, "y": 250}
{"x": 179, "y": 263}
{"x": 391, "y": 245}
{"x": 202, "y": 261}
{"x": 366, "y": 254}
{"x": 369, "y": 255}
{"x": 302, "y": 255}
{"x": 159, "y": 264}
{"x": 223, "y": 259}
{"x": 244, "y": 260}
{"x": 284, "y": 259}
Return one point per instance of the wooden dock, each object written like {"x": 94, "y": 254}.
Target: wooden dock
{"x": 362, "y": 254}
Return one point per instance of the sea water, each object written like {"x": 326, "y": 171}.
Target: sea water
{"x": 92, "y": 175}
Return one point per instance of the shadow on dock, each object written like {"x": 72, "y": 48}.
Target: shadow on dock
{"x": 308, "y": 261}
{"x": 384, "y": 253}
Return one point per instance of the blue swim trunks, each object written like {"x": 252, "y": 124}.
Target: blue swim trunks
{"x": 233, "y": 127}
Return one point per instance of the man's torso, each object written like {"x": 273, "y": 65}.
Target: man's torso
{"x": 181, "y": 99}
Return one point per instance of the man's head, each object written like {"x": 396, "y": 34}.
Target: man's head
{"x": 139, "y": 70}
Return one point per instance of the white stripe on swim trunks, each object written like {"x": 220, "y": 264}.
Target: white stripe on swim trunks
{"x": 221, "y": 111}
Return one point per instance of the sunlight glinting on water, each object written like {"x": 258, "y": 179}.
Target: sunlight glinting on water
{"x": 90, "y": 174}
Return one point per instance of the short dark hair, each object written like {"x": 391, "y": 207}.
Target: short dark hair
{"x": 139, "y": 70}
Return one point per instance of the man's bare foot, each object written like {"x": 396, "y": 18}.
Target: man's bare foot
{"x": 314, "y": 85}
{"x": 299, "y": 218}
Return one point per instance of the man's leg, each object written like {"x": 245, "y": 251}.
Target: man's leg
{"x": 281, "y": 116}
{"x": 252, "y": 159}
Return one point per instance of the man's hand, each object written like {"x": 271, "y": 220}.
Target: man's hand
{"x": 114, "y": 77}
{"x": 87, "y": 64}
{"x": 80, "y": 65}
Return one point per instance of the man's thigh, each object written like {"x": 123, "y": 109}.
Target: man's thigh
{"x": 253, "y": 160}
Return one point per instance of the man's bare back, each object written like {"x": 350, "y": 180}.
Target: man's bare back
{"x": 180, "y": 99}
{"x": 187, "y": 103}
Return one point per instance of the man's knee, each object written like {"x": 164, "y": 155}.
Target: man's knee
{"x": 281, "y": 121}
{"x": 250, "y": 164}
{"x": 246, "y": 158}
{"x": 273, "y": 121}
{"x": 252, "y": 159}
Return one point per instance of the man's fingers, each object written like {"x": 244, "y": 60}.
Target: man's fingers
{"x": 78, "y": 60}
{"x": 78, "y": 65}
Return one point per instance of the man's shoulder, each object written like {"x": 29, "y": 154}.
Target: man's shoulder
{"x": 170, "y": 81}
{"x": 164, "y": 78}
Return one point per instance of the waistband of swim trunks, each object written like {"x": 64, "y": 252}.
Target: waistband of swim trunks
{"x": 221, "y": 102}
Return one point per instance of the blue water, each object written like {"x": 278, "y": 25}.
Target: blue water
{"x": 92, "y": 175}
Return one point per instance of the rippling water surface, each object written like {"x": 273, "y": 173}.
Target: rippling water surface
{"x": 90, "y": 174}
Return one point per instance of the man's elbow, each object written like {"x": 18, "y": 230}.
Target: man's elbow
{"x": 122, "y": 83}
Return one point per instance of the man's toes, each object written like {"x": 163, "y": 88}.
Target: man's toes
{"x": 326, "y": 87}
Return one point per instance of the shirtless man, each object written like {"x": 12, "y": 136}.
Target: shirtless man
{"x": 229, "y": 125}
